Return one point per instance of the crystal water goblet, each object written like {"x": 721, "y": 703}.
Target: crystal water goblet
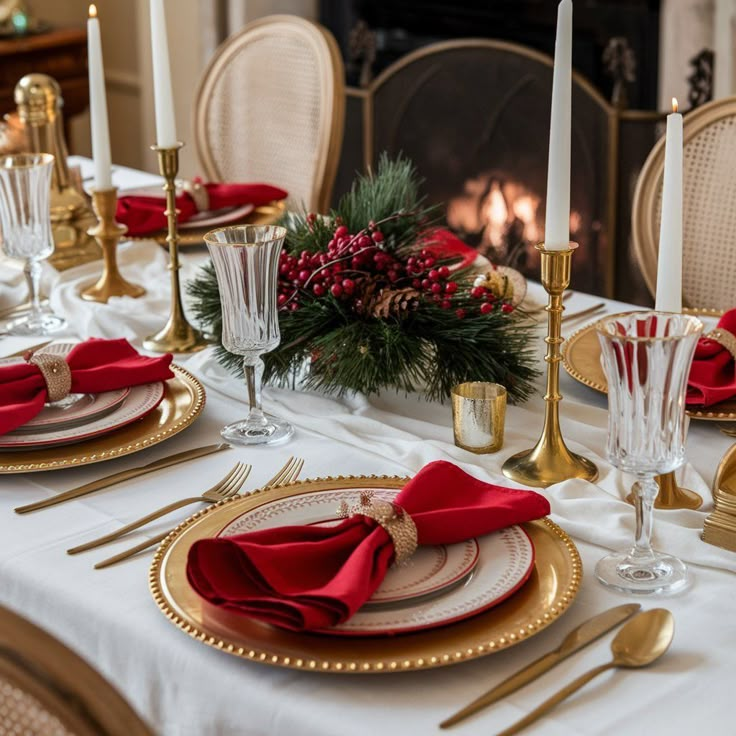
{"x": 647, "y": 358}
{"x": 246, "y": 261}
{"x": 25, "y": 221}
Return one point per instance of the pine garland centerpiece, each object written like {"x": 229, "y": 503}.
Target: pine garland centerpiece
{"x": 369, "y": 297}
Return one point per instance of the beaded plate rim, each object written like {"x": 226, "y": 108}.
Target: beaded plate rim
{"x": 437, "y": 658}
{"x": 91, "y": 456}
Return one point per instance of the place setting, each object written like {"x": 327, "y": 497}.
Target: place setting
{"x": 81, "y": 403}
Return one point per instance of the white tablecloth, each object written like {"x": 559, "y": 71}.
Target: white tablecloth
{"x": 184, "y": 688}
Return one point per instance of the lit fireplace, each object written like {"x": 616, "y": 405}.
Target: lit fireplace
{"x": 502, "y": 218}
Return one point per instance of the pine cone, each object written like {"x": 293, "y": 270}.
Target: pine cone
{"x": 392, "y": 303}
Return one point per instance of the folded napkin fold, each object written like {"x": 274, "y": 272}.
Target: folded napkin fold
{"x": 144, "y": 215}
{"x": 313, "y": 577}
{"x": 95, "y": 366}
{"x": 713, "y": 372}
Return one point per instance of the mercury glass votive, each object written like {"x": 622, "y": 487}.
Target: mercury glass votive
{"x": 478, "y": 416}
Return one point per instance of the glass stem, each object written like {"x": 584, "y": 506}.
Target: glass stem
{"x": 253, "y": 379}
{"x": 32, "y": 272}
{"x": 645, "y": 491}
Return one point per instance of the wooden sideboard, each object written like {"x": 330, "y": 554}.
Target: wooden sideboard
{"x": 60, "y": 53}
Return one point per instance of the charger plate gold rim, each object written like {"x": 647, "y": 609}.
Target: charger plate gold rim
{"x": 552, "y": 587}
{"x": 581, "y": 354}
{"x": 183, "y": 401}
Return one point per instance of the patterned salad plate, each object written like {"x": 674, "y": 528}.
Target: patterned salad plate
{"x": 581, "y": 356}
{"x": 523, "y": 580}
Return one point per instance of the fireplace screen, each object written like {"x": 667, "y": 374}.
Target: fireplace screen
{"x": 474, "y": 117}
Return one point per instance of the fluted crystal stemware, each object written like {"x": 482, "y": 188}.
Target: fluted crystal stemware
{"x": 647, "y": 358}
{"x": 246, "y": 260}
{"x": 25, "y": 220}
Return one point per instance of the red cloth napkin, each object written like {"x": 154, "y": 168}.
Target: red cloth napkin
{"x": 445, "y": 244}
{"x": 312, "y": 577}
{"x": 713, "y": 372}
{"x": 96, "y": 365}
{"x": 144, "y": 215}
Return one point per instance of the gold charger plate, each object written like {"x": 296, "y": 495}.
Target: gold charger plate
{"x": 182, "y": 403}
{"x": 547, "y": 594}
{"x": 581, "y": 356}
{"x": 266, "y": 214}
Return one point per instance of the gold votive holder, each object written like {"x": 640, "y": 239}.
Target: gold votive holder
{"x": 107, "y": 232}
{"x": 478, "y": 416}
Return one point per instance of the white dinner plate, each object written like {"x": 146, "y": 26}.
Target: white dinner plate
{"x": 437, "y": 586}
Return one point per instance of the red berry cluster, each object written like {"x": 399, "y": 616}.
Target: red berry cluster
{"x": 353, "y": 257}
{"x": 431, "y": 279}
{"x": 489, "y": 300}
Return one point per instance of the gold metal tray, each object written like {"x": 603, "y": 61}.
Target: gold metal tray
{"x": 182, "y": 403}
{"x": 547, "y": 594}
{"x": 266, "y": 214}
{"x": 581, "y": 356}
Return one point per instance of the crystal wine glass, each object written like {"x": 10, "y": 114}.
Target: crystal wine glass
{"x": 25, "y": 220}
{"x": 246, "y": 260}
{"x": 646, "y": 357}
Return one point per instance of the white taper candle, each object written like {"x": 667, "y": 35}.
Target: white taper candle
{"x": 98, "y": 105}
{"x": 557, "y": 223}
{"x": 163, "y": 95}
{"x": 669, "y": 260}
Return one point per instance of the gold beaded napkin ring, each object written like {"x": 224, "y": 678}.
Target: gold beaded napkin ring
{"x": 724, "y": 338}
{"x": 56, "y": 373}
{"x": 399, "y": 526}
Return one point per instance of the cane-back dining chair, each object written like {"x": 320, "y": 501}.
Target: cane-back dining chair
{"x": 271, "y": 106}
{"x": 47, "y": 690}
{"x": 709, "y": 214}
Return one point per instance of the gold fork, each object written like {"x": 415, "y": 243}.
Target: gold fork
{"x": 287, "y": 474}
{"x": 223, "y": 489}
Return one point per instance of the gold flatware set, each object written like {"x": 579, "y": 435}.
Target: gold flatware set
{"x": 110, "y": 480}
{"x": 639, "y": 643}
{"x": 228, "y": 486}
{"x": 287, "y": 474}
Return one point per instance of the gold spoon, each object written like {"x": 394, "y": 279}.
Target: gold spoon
{"x": 645, "y": 638}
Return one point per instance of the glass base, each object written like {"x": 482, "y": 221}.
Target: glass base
{"x": 47, "y": 323}
{"x": 270, "y": 431}
{"x": 652, "y": 574}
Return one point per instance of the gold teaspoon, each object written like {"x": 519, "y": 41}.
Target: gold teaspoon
{"x": 645, "y": 638}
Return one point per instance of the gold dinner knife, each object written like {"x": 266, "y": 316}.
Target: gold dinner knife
{"x": 578, "y": 638}
{"x": 110, "y": 480}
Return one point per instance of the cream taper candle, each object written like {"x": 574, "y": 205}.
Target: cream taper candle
{"x": 669, "y": 259}
{"x": 163, "y": 95}
{"x": 98, "y": 104}
{"x": 557, "y": 221}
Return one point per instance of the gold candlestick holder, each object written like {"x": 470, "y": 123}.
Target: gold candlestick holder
{"x": 177, "y": 335}
{"x": 550, "y": 461}
{"x": 671, "y": 496}
{"x": 107, "y": 232}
